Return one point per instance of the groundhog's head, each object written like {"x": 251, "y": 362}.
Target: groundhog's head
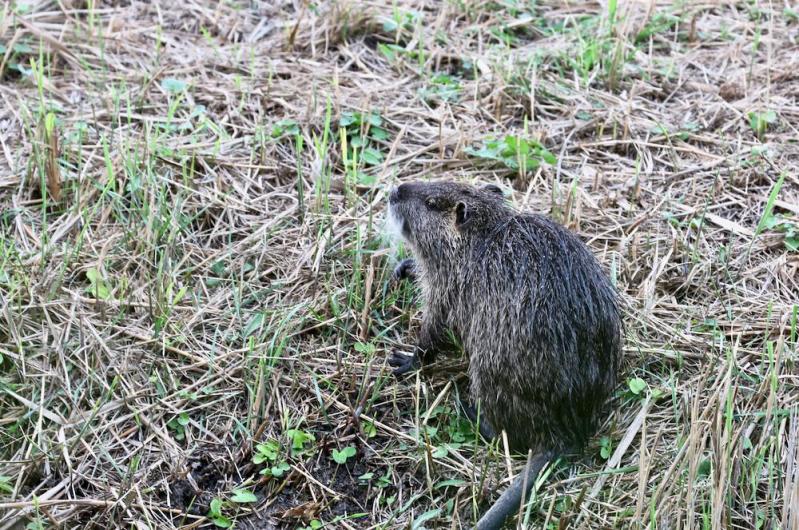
{"x": 436, "y": 218}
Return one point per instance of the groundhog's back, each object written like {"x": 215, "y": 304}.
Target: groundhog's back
{"x": 540, "y": 322}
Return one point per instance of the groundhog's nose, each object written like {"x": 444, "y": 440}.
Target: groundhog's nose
{"x": 399, "y": 193}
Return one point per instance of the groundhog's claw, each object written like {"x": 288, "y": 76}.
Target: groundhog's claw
{"x": 402, "y": 363}
{"x": 406, "y": 269}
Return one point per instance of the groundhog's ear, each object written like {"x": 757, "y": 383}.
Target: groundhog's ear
{"x": 461, "y": 213}
{"x": 493, "y": 188}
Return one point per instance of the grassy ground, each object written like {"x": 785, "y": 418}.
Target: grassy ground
{"x": 193, "y": 313}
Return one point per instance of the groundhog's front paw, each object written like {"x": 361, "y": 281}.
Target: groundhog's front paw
{"x": 406, "y": 269}
{"x": 402, "y": 363}
{"x": 486, "y": 430}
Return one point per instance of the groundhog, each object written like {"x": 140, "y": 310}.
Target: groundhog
{"x": 532, "y": 309}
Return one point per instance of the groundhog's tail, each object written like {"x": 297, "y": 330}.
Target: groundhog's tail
{"x": 509, "y": 502}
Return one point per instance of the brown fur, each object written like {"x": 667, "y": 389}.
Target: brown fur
{"x": 529, "y": 302}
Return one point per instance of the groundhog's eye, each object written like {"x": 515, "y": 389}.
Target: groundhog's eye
{"x": 431, "y": 203}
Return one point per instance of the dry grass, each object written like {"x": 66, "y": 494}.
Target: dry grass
{"x": 176, "y": 285}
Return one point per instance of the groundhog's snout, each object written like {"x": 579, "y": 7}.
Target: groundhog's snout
{"x": 397, "y": 217}
{"x": 400, "y": 193}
